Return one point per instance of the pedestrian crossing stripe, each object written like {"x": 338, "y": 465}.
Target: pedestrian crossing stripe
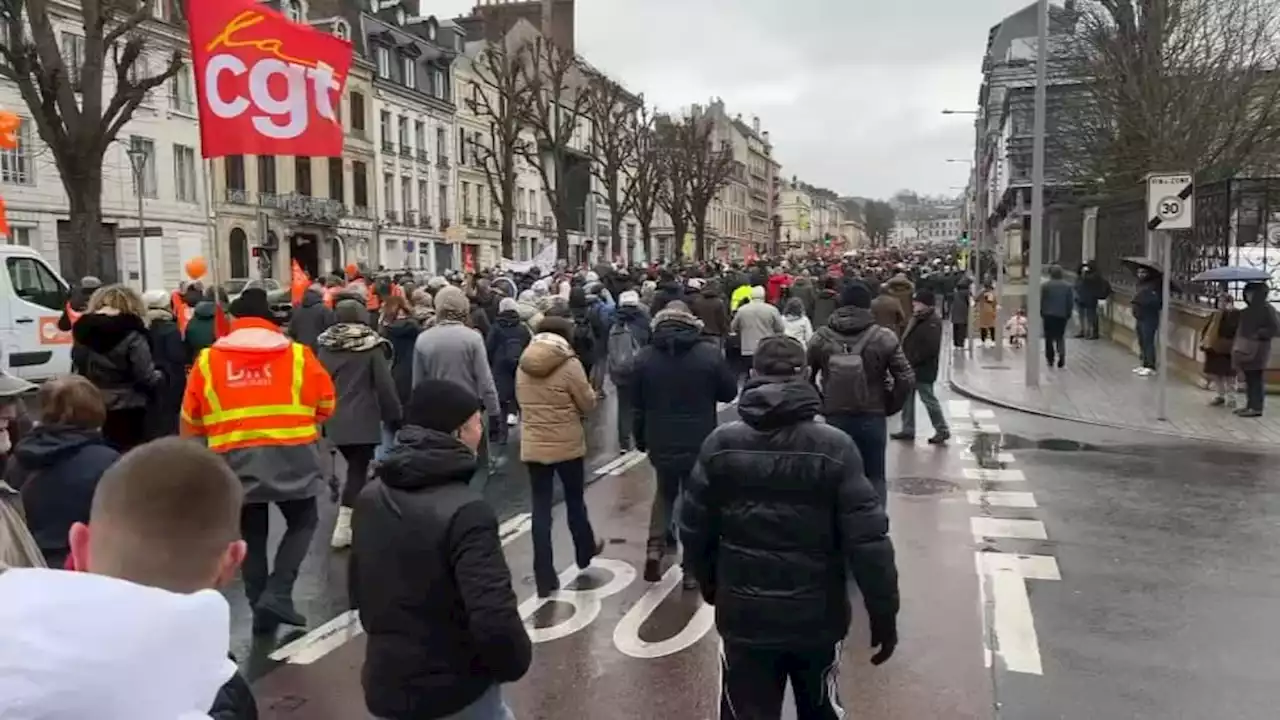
{"x": 989, "y": 528}
{"x": 994, "y": 474}
{"x": 998, "y": 498}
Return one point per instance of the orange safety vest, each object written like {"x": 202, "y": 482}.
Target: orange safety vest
{"x": 241, "y": 397}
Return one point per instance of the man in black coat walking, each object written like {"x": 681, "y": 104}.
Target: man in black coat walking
{"x": 677, "y": 382}
{"x": 775, "y": 514}
{"x": 922, "y": 344}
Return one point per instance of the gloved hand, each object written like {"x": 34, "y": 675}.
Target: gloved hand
{"x": 884, "y": 635}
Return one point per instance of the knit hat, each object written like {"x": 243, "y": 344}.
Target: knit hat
{"x": 779, "y": 355}
{"x": 252, "y": 303}
{"x": 349, "y": 310}
{"x": 157, "y": 299}
{"x": 441, "y": 405}
{"x": 629, "y": 298}
{"x": 856, "y": 294}
{"x": 926, "y": 297}
{"x": 452, "y": 303}
{"x": 508, "y": 304}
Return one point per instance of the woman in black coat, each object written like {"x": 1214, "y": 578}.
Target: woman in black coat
{"x": 508, "y": 337}
{"x": 171, "y": 358}
{"x": 112, "y": 348}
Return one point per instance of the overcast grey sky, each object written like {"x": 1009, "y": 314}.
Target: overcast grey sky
{"x": 850, "y": 90}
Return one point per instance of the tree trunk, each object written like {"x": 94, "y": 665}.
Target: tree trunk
{"x": 700, "y": 239}
{"x": 646, "y": 242}
{"x": 85, "y": 198}
{"x": 615, "y": 232}
{"x": 507, "y": 206}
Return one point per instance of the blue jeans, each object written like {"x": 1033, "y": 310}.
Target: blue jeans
{"x": 871, "y": 434}
{"x": 488, "y": 706}
{"x": 931, "y": 405}
{"x": 388, "y": 439}
{"x": 572, "y": 475}
{"x": 1147, "y": 330}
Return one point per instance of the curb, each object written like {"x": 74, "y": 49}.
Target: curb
{"x": 1040, "y": 412}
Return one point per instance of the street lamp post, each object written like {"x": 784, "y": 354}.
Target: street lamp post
{"x": 138, "y": 160}
{"x": 1035, "y": 326}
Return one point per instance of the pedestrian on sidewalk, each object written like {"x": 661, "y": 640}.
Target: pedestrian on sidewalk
{"x": 775, "y": 518}
{"x": 427, "y": 573}
{"x": 555, "y": 396}
{"x": 922, "y": 344}
{"x": 988, "y": 315}
{"x": 864, "y": 377}
{"x": 1146, "y": 304}
{"x": 1251, "y": 349}
{"x": 140, "y": 631}
{"x": 1216, "y": 341}
{"x": 1057, "y": 298}
{"x": 960, "y": 306}
{"x": 888, "y": 312}
{"x": 359, "y": 361}
{"x": 678, "y": 380}
{"x": 1091, "y": 289}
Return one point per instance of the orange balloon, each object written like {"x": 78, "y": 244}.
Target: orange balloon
{"x": 9, "y": 130}
{"x": 196, "y": 268}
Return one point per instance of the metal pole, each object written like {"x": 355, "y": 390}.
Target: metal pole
{"x": 998, "y": 257}
{"x": 142, "y": 231}
{"x": 1035, "y": 326}
{"x": 1162, "y": 352}
{"x": 214, "y": 268}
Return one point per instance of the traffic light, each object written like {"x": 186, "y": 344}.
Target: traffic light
{"x": 964, "y": 238}
{"x": 826, "y": 239}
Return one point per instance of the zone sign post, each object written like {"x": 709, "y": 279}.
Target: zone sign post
{"x": 1170, "y": 201}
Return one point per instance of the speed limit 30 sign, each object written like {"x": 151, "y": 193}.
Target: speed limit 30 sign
{"x": 1170, "y": 202}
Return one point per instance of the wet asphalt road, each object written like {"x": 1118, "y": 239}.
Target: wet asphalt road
{"x": 1123, "y": 575}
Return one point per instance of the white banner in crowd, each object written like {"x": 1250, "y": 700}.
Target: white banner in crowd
{"x": 545, "y": 261}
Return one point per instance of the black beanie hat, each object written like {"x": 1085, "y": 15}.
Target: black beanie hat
{"x": 926, "y": 297}
{"x": 856, "y": 294}
{"x": 440, "y": 405}
{"x": 779, "y": 355}
{"x": 252, "y": 303}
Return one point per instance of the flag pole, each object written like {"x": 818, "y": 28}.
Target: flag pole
{"x": 212, "y": 221}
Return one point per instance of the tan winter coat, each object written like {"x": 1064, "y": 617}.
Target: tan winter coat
{"x": 554, "y": 396}
{"x": 17, "y": 547}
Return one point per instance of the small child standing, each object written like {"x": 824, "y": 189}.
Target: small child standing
{"x": 796, "y": 323}
{"x": 1016, "y": 328}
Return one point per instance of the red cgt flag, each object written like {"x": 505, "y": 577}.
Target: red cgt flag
{"x": 266, "y": 85}
{"x": 298, "y": 284}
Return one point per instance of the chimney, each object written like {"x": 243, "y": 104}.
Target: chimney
{"x": 765, "y": 135}
{"x": 755, "y": 123}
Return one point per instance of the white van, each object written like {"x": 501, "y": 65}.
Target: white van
{"x": 32, "y": 298}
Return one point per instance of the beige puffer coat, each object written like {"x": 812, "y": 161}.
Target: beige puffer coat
{"x": 554, "y": 396}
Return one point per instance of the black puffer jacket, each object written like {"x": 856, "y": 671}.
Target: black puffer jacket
{"x": 402, "y": 334}
{"x": 668, "y": 292}
{"x": 169, "y": 354}
{"x": 508, "y": 337}
{"x": 882, "y": 357}
{"x": 922, "y": 344}
{"x": 310, "y": 318}
{"x": 114, "y": 353}
{"x": 776, "y": 507}
{"x": 431, "y": 584}
{"x": 678, "y": 380}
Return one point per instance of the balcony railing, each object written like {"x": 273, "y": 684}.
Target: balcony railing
{"x": 424, "y": 221}
{"x": 393, "y": 218}
{"x": 238, "y": 196}
{"x": 444, "y": 224}
{"x": 269, "y": 199}
{"x": 388, "y": 147}
{"x": 320, "y": 211}
{"x": 468, "y": 220}
{"x": 442, "y": 161}
{"x": 360, "y": 211}
{"x": 546, "y": 223}
{"x": 405, "y": 151}
{"x": 359, "y": 133}
{"x": 424, "y": 157}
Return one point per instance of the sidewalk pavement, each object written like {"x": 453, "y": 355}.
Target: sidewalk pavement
{"x": 1098, "y": 387}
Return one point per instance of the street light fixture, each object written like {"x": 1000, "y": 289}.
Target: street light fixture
{"x": 138, "y": 155}
{"x": 956, "y": 160}
{"x": 947, "y": 111}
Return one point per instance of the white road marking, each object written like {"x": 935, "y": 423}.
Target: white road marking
{"x": 959, "y": 408}
{"x": 626, "y": 636}
{"x": 321, "y": 641}
{"x": 989, "y": 527}
{"x": 1002, "y": 498}
{"x": 586, "y": 603}
{"x": 994, "y": 474}
{"x": 1013, "y": 626}
{"x": 608, "y": 468}
{"x": 631, "y": 462}
{"x": 1003, "y": 457}
{"x": 514, "y": 527}
{"x": 983, "y": 414}
{"x": 965, "y": 428}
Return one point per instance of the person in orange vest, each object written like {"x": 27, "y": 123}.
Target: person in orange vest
{"x": 257, "y": 399}
{"x": 78, "y": 302}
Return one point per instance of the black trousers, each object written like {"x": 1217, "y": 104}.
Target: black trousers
{"x": 301, "y": 518}
{"x": 358, "y": 458}
{"x": 959, "y": 333}
{"x": 753, "y": 683}
{"x": 1055, "y": 338}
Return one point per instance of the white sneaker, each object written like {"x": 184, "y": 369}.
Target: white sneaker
{"x": 512, "y": 419}
{"x": 342, "y": 530}
{"x": 1146, "y": 372}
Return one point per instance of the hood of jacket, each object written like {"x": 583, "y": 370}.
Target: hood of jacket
{"x": 204, "y": 309}
{"x": 253, "y": 335}
{"x": 850, "y": 320}
{"x": 311, "y": 297}
{"x": 899, "y": 283}
{"x": 102, "y": 333}
{"x": 675, "y": 331}
{"x": 423, "y": 458}
{"x": 526, "y": 309}
{"x": 508, "y": 319}
{"x": 546, "y": 353}
{"x": 79, "y": 645}
{"x": 351, "y": 337}
{"x": 47, "y": 445}
{"x": 769, "y": 403}
{"x": 630, "y": 314}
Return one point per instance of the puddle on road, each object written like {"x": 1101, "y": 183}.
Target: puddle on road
{"x": 986, "y": 447}
{"x": 921, "y": 486}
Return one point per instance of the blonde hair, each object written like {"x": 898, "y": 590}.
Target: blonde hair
{"x": 121, "y": 298}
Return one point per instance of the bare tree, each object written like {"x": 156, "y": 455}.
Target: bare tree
{"x": 1167, "y": 84}
{"x": 612, "y": 112}
{"x": 645, "y": 177}
{"x": 67, "y": 99}
{"x": 500, "y": 95}
{"x": 673, "y": 174}
{"x": 558, "y": 97}
{"x": 708, "y": 166}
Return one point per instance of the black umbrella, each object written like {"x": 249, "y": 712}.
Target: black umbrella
{"x": 1133, "y": 263}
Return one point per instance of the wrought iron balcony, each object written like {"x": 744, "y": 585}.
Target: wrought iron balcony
{"x": 320, "y": 211}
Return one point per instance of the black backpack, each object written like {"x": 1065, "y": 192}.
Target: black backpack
{"x": 846, "y": 374}
{"x": 584, "y": 338}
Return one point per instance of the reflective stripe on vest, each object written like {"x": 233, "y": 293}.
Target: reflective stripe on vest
{"x": 235, "y": 433}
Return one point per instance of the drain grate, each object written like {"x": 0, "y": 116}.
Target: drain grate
{"x": 922, "y": 486}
